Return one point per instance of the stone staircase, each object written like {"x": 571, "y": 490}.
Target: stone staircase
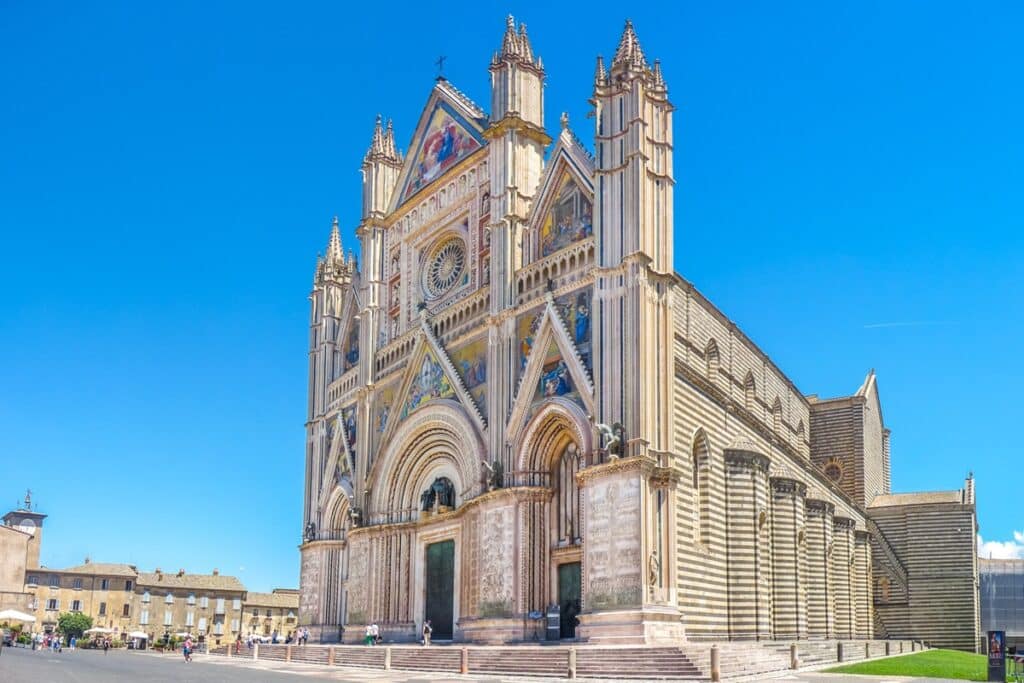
{"x": 739, "y": 658}
{"x": 534, "y": 661}
{"x": 647, "y": 663}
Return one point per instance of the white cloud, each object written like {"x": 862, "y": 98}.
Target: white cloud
{"x": 1002, "y": 550}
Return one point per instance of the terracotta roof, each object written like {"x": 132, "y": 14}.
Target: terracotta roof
{"x": 101, "y": 569}
{"x": 208, "y": 581}
{"x": 283, "y": 600}
{"x": 923, "y": 498}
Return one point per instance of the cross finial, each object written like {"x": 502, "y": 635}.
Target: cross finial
{"x": 28, "y": 499}
{"x": 440, "y": 67}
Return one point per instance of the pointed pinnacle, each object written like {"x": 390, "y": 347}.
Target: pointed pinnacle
{"x": 659, "y": 80}
{"x": 524, "y": 43}
{"x": 510, "y": 42}
{"x": 600, "y": 75}
{"x": 335, "y": 253}
{"x": 629, "y": 53}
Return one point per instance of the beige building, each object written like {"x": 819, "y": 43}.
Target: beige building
{"x": 103, "y": 591}
{"x": 206, "y": 605}
{"x": 514, "y": 401}
{"x": 269, "y": 613}
{"x": 21, "y": 536}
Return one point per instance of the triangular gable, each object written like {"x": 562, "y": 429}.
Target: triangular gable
{"x": 554, "y": 371}
{"x": 339, "y": 456}
{"x": 448, "y": 131}
{"x": 429, "y": 376}
{"x": 563, "y": 213}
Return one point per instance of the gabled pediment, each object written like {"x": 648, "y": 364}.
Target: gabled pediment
{"x": 429, "y": 377}
{"x": 449, "y": 130}
{"x": 339, "y": 457}
{"x": 563, "y": 210}
{"x": 554, "y": 371}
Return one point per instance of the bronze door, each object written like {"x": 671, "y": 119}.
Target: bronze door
{"x": 440, "y": 579}
{"x": 568, "y": 598}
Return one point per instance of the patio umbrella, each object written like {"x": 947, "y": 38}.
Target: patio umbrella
{"x": 138, "y": 634}
{"x": 98, "y": 629}
{"x": 15, "y": 615}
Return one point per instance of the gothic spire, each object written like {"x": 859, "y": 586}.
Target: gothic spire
{"x": 524, "y": 44}
{"x": 629, "y": 54}
{"x": 510, "y": 41}
{"x": 335, "y": 253}
{"x": 382, "y": 144}
{"x": 389, "y": 141}
{"x": 600, "y": 75}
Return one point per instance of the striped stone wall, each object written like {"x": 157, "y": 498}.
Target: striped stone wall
{"x": 935, "y": 541}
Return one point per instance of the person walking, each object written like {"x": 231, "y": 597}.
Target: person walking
{"x": 71, "y": 643}
{"x": 368, "y": 636}
{"x": 106, "y": 645}
{"x": 427, "y": 630}
{"x": 187, "y": 649}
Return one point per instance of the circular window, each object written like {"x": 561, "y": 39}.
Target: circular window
{"x": 444, "y": 267}
{"x": 834, "y": 471}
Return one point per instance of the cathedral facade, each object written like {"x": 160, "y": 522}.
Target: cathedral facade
{"x": 515, "y": 403}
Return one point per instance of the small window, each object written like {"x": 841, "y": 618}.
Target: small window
{"x": 145, "y": 596}
{"x": 202, "y": 623}
{"x": 191, "y": 598}
{"x": 126, "y": 611}
{"x": 104, "y": 584}
{"x": 54, "y": 581}
{"x": 77, "y": 584}
{"x": 52, "y": 604}
{"x": 76, "y": 605}
{"x": 204, "y": 602}
{"x": 144, "y": 617}
{"x": 236, "y": 604}
{"x": 220, "y": 605}
{"x": 128, "y": 585}
{"x": 33, "y": 580}
{"x": 167, "y": 618}
{"x": 190, "y": 618}
{"x": 103, "y": 609}
{"x": 168, "y": 599}
{"x": 255, "y": 612}
{"x": 234, "y": 624}
{"x": 268, "y": 613}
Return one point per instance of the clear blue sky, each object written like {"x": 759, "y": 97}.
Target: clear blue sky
{"x": 849, "y": 191}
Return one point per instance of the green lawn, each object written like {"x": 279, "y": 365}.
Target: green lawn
{"x": 935, "y": 663}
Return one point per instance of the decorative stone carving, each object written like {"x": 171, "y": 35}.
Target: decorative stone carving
{"x": 613, "y": 563}
{"x": 309, "y": 581}
{"x": 496, "y": 541}
{"x": 358, "y": 598}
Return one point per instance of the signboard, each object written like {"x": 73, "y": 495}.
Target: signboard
{"x": 997, "y": 656}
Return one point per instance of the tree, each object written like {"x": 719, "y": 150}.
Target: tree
{"x": 74, "y": 624}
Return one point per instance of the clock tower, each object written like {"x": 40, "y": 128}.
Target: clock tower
{"x": 31, "y": 522}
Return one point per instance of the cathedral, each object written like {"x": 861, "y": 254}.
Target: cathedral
{"x": 517, "y": 407}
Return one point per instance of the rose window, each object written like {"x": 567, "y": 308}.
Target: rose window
{"x": 444, "y": 267}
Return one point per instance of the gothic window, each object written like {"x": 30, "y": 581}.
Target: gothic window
{"x": 777, "y": 416}
{"x": 568, "y": 530}
{"x": 444, "y": 268}
{"x": 713, "y": 360}
{"x": 749, "y": 391}
{"x": 701, "y": 483}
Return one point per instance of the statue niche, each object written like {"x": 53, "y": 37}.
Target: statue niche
{"x": 440, "y": 494}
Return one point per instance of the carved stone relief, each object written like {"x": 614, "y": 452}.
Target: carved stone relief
{"x": 614, "y": 563}
{"x": 496, "y": 539}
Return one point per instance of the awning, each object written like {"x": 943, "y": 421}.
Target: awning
{"x": 138, "y": 634}
{"x": 98, "y": 629}
{"x": 13, "y": 614}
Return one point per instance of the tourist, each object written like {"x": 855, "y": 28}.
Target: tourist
{"x": 427, "y": 630}
{"x": 368, "y": 637}
{"x": 238, "y": 644}
{"x": 71, "y": 643}
{"x": 187, "y": 649}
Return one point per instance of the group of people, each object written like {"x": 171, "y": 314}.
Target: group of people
{"x": 372, "y": 636}
{"x": 54, "y": 642}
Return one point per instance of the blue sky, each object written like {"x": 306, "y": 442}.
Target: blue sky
{"x": 848, "y": 190}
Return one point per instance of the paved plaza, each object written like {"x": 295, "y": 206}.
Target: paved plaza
{"x": 18, "y": 664}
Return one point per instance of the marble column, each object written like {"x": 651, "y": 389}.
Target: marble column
{"x": 748, "y": 544}
{"x": 790, "y": 563}
{"x": 842, "y": 575}
{"x": 820, "y": 599}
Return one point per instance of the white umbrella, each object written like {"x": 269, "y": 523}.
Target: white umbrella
{"x": 8, "y": 614}
{"x": 182, "y": 635}
{"x": 138, "y": 634}
{"x": 98, "y": 629}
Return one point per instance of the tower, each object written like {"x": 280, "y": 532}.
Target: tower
{"x": 633, "y": 228}
{"x": 516, "y": 161}
{"x": 380, "y": 170}
{"x": 332, "y": 281}
{"x": 31, "y": 522}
